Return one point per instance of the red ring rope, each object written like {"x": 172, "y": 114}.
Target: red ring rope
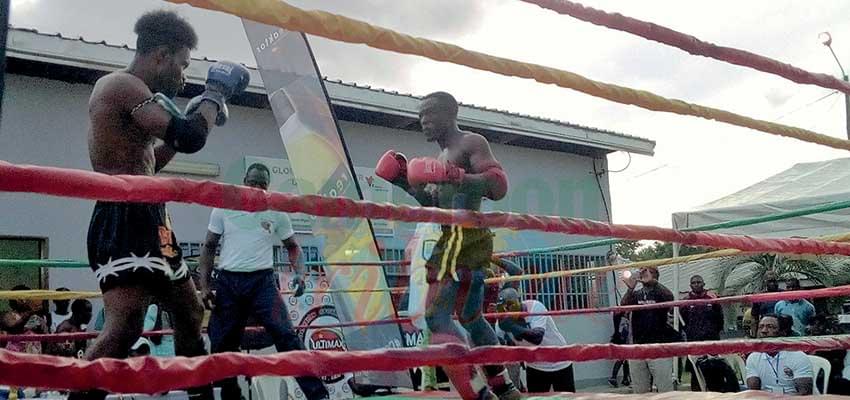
{"x": 761, "y": 297}
{"x": 691, "y": 44}
{"x": 156, "y": 375}
{"x": 750, "y": 298}
{"x": 96, "y": 186}
{"x": 71, "y": 336}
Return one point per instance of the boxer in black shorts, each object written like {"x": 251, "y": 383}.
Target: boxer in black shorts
{"x": 133, "y": 244}
{"x": 136, "y": 129}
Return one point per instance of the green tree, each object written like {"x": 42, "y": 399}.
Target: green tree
{"x": 745, "y": 274}
{"x": 659, "y": 250}
{"x": 627, "y": 249}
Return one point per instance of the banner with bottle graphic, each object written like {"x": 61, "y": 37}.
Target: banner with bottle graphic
{"x": 320, "y": 164}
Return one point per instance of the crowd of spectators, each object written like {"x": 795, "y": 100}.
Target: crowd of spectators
{"x": 786, "y": 372}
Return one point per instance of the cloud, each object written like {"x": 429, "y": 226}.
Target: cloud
{"x": 777, "y": 97}
{"x": 222, "y": 36}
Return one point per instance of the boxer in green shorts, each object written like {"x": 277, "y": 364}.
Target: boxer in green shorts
{"x": 464, "y": 173}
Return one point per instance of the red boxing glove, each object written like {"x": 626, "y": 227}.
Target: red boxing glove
{"x": 425, "y": 170}
{"x": 497, "y": 182}
{"x": 392, "y": 166}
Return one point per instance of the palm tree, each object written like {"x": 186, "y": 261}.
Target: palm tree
{"x": 745, "y": 274}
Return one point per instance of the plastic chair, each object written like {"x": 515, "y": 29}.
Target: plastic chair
{"x": 269, "y": 387}
{"x": 697, "y": 372}
{"x": 820, "y": 364}
{"x": 739, "y": 365}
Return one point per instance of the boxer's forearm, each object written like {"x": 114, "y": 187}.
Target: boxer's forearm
{"x": 163, "y": 154}
{"x": 534, "y": 336}
{"x": 424, "y": 198}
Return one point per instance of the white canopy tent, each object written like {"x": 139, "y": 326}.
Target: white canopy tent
{"x": 801, "y": 186}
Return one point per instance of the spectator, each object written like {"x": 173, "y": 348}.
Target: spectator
{"x": 771, "y": 285}
{"x": 784, "y": 372}
{"x": 60, "y": 311}
{"x": 702, "y": 322}
{"x": 500, "y": 267}
{"x": 81, "y": 313}
{"x": 786, "y": 324}
{"x": 536, "y": 330}
{"x": 747, "y": 324}
{"x": 25, "y": 317}
{"x": 650, "y": 326}
{"x": 800, "y": 310}
{"x": 620, "y": 336}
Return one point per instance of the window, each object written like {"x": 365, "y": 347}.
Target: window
{"x": 279, "y": 253}
{"x": 565, "y": 293}
{"x": 21, "y": 248}
{"x": 394, "y": 255}
{"x": 192, "y": 249}
{"x": 310, "y": 253}
{"x": 397, "y": 276}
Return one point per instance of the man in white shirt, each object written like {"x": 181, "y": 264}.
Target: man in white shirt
{"x": 536, "y": 330}
{"x": 246, "y": 284}
{"x": 786, "y": 372}
{"x": 60, "y": 312}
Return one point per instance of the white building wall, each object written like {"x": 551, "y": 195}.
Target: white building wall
{"x": 45, "y": 122}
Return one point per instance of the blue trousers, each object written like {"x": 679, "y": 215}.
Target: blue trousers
{"x": 240, "y": 295}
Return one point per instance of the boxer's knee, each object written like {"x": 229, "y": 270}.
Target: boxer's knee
{"x": 440, "y": 322}
{"x": 480, "y": 332}
{"x": 195, "y": 317}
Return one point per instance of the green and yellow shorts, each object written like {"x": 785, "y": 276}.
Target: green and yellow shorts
{"x": 460, "y": 249}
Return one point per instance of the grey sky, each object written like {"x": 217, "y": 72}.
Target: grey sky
{"x": 222, "y": 36}
{"x": 697, "y": 161}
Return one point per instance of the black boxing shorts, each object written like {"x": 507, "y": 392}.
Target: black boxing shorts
{"x": 132, "y": 244}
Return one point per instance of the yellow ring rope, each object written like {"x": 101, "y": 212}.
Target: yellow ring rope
{"x": 340, "y": 28}
{"x": 844, "y": 237}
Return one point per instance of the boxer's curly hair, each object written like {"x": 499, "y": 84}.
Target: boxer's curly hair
{"x": 164, "y": 28}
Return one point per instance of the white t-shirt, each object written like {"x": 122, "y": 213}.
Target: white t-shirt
{"x": 551, "y": 335}
{"x": 248, "y": 238}
{"x": 777, "y": 374}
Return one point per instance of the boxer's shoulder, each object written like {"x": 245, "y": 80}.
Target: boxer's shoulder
{"x": 471, "y": 142}
{"x": 118, "y": 92}
{"x": 120, "y": 85}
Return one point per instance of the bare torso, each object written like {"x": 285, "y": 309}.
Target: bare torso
{"x": 116, "y": 144}
{"x": 453, "y": 196}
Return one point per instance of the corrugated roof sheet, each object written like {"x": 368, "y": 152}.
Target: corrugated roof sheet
{"x": 540, "y": 127}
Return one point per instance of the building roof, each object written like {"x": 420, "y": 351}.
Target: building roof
{"x": 352, "y": 101}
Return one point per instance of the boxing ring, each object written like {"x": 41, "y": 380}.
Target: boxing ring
{"x": 38, "y": 370}
{"x": 164, "y": 374}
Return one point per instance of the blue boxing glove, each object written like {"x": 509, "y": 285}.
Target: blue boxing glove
{"x": 224, "y": 80}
